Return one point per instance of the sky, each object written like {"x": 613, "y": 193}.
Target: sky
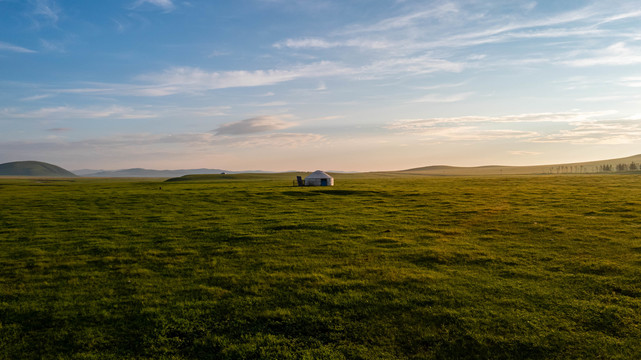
{"x": 349, "y": 85}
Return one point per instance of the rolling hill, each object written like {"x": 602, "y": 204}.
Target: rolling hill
{"x": 619, "y": 165}
{"x": 631, "y": 163}
{"x": 139, "y": 172}
{"x": 236, "y": 177}
{"x": 33, "y": 168}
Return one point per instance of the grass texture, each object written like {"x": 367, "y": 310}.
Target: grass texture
{"x": 545, "y": 267}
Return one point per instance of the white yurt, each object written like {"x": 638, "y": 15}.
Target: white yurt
{"x": 319, "y": 178}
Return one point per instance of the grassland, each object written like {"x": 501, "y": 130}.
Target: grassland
{"x": 543, "y": 267}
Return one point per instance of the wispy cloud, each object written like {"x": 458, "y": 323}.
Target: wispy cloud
{"x": 611, "y": 98}
{"x": 198, "y": 79}
{"x": 67, "y": 112}
{"x": 483, "y": 128}
{"x": 439, "y": 98}
{"x": 271, "y": 104}
{"x": 465, "y": 28}
{"x": 313, "y": 6}
{"x": 616, "y": 54}
{"x": 306, "y": 43}
{"x": 472, "y": 133}
{"x": 630, "y": 14}
{"x": 178, "y": 80}
{"x": 614, "y": 132}
{"x": 217, "y": 53}
{"x": 207, "y": 111}
{"x": 209, "y": 140}
{"x": 631, "y": 81}
{"x": 54, "y": 46}
{"x": 58, "y": 130}
{"x": 424, "y": 64}
{"x": 184, "y": 79}
{"x": 579, "y": 128}
{"x": 417, "y": 125}
{"x": 254, "y": 125}
{"x": 316, "y": 43}
{"x": 441, "y": 86}
{"x": 120, "y": 25}
{"x": 278, "y": 140}
{"x": 524, "y": 153}
{"x": 14, "y": 48}
{"x": 424, "y": 30}
{"x": 440, "y": 12}
{"x": 46, "y": 12}
{"x": 166, "y": 5}
{"x": 36, "y": 97}
{"x": 330, "y": 117}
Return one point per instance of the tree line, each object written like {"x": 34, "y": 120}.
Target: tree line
{"x": 606, "y": 168}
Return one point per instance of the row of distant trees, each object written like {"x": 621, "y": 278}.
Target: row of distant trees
{"x": 607, "y": 168}
{"x": 620, "y": 167}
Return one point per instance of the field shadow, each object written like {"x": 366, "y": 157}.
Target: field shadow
{"x": 335, "y": 192}
{"x": 300, "y": 193}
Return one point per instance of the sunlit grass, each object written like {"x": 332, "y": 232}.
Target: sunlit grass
{"x": 504, "y": 267}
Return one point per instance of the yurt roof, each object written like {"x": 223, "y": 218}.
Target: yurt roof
{"x": 318, "y": 174}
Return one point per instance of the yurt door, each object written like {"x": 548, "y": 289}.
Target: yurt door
{"x": 323, "y": 182}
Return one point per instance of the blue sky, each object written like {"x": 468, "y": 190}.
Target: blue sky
{"x": 323, "y": 84}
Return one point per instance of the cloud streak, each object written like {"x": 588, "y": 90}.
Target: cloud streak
{"x": 58, "y": 130}
{"x": 177, "y": 80}
{"x": 14, "y": 48}
{"x": 46, "y": 11}
{"x": 259, "y": 124}
{"x": 580, "y": 128}
{"x": 166, "y": 5}
{"x": 438, "y": 13}
{"x": 67, "y": 112}
{"x": 631, "y": 81}
{"x": 453, "y": 26}
{"x": 614, "y": 132}
{"x": 317, "y": 43}
{"x": 418, "y": 125}
{"x": 474, "y": 133}
{"x": 438, "y": 98}
{"x": 584, "y": 128}
{"x": 614, "y": 55}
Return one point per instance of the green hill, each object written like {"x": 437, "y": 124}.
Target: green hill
{"x": 627, "y": 164}
{"x": 236, "y": 177}
{"x": 33, "y": 168}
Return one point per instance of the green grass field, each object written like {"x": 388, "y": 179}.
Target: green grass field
{"x": 545, "y": 267}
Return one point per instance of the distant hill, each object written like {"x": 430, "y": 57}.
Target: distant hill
{"x": 138, "y": 172}
{"x": 238, "y": 176}
{"x": 85, "y": 172}
{"x": 627, "y": 164}
{"x": 33, "y": 168}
